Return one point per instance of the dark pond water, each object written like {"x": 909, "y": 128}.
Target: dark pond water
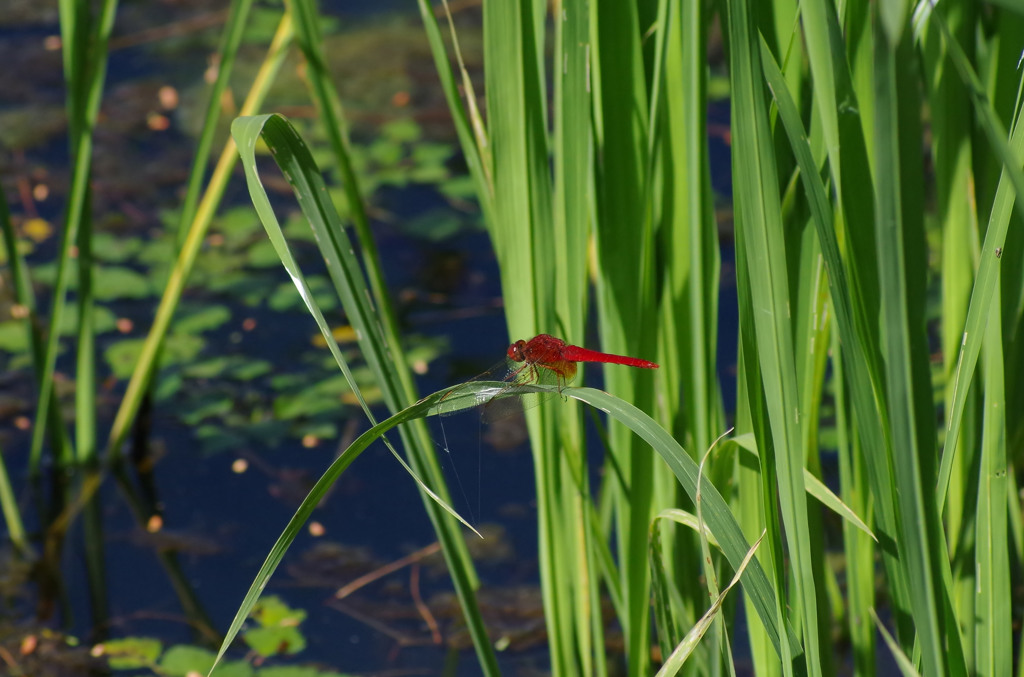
{"x": 239, "y": 439}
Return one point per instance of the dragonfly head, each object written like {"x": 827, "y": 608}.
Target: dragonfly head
{"x": 515, "y": 351}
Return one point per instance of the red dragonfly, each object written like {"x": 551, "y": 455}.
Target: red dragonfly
{"x": 541, "y": 361}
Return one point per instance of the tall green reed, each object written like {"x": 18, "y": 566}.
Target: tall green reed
{"x": 831, "y": 238}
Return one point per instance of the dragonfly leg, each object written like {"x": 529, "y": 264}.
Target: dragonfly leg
{"x": 562, "y": 383}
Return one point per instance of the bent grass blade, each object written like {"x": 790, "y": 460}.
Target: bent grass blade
{"x": 718, "y": 518}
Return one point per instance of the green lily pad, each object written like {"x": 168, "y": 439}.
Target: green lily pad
{"x": 181, "y": 348}
{"x": 182, "y": 660}
{"x": 403, "y": 130}
{"x": 314, "y": 399}
{"x": 238, "y": 225}
{"x": 122, "y": 356}
{"x": 107, "y": 247}
{"x": 434, "y": 225}
{"x": 251, "y": 369}
{"x": 384, "y": 152}
{"x": 263, "y": 255}
{"x": 211, "y": 368}
{"x": 13, "y": 336}
{"x": 217, "y": 438}
{"x": 132, "y": 653}
{"x": 297, "y": 671}
{"x": 208, "y": 406}
{"x": 276, "y": 640}
{"x": 202, "y": 319}
{"x": 272, "y": 611}
{"x": 436, "y": 154}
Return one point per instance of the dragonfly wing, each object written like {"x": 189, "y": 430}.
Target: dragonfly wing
{"x": 508, "y": 388}
{"x": 513, "y": 400}
{"x": 466, "y": 397}
{"x": 477, "y": 391}
{"x": 523, "y": 392}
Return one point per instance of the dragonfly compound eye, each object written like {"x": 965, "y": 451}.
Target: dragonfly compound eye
{"x": 515, "y": 351}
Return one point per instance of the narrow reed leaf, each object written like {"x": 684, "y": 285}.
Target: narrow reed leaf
{"x": 815, "y": 488}
{"x": 572, "y": 161}
{"x": 234, "y": 29}
{"x": 625, "y": 293}
{"x": 669, "y": 612}
{"x": 710, "y": 577}
{"x": 861, "y": 360}
{"x": 661, "y": 33}
{"x": 688, "y": 232}
{"x": 721, "y": 644}
{"x": 85, "y": 70}
{"x": 758, "y": 485}
{"x": 993, "y": 624}
{"x": 857, "y": 367}
{"x": 690, "y": 521}
{"x": 511, "y": 117}
{"x": 818, "y": 20}
{"x": 759, "y": 216}
{"x": 859, "y": 551}
{"x": 478, "y": 158}
{"x": 906, "y": 665}
{"x": 475, "y": 117}
{"x": 10, "y": 512}
{"x": 611, "y": 580}
{"x": 918, "y": 521}
{"x": 674, "y": 663}
{"x": 893, "y": 14}
{"x": 955, "y": 154}
{"x": 573, "y": 158}
{"x": 1008, "y": 194}
{"x": 21, "y": 285}
{"x": 22, "y": 288}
